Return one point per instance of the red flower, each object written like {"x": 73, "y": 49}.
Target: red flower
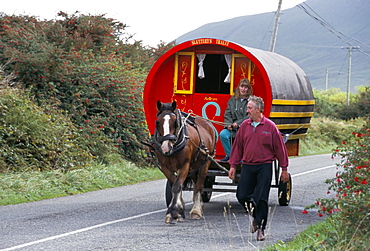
{"x": 305, "y": 212}
{"x": 320, "y": 215}
{"x": 356, "y": 179}
{"x": 364, "y": 182}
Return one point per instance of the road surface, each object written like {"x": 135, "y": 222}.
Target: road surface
{"x": 132, "y": 217}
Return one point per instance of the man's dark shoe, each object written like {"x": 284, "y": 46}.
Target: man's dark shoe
{"x": 254, "y": 226}
{"x": 225, "y": 159}
{"x": 260, "y": 235}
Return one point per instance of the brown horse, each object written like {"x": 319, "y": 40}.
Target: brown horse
{"x": 183, "y": 145}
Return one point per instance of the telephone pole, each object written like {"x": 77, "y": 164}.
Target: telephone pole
{"x": 276, "y": 24}
{"x": 350, "y": 48}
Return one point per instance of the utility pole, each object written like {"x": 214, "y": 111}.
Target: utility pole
{"x": 326, "y": 79}
{"x": 349, "y": 69}
{"x": 276, "y": 24}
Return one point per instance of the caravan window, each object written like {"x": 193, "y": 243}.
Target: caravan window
{"x": 215, "y": 71}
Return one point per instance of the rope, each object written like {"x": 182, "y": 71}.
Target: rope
{"x": 190, "y": 112}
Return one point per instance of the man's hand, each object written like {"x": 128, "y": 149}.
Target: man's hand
{"x": 284, "y": 177}
{"x": 233, "y": 126}
{"x": 232, "y": 172}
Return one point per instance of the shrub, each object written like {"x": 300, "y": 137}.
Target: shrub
{"x": 332, "y": 103}
{"x": 84, "y": 65}
{"x": 351, "y": 204}
{"x": 32, "y": 138}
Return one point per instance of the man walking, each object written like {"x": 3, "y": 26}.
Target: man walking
{"x": 257, "y": 145}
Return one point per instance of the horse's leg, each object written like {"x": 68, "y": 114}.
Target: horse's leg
{"x": 175, "y": 211}
{"x": 197, "y": 210}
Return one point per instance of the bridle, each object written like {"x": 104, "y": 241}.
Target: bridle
{"x": 179, "y": 138}
{"x": 171, "y": 137}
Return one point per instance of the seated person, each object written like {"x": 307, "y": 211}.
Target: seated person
{"x": 235, "y": 114}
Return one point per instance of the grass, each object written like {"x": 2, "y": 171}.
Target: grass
{"x": 33, "y": 186}
{"x": 329, "y": 234}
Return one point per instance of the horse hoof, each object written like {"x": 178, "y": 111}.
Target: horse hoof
{"x": 168, "y": 220}
{"x": 180, "y": 219}
{"x": 195, "y": 216}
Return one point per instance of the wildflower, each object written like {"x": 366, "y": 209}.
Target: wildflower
{"x": 364, "y": 182}
{"x": 305, "y": 212}
{"x": 320, "y": 214}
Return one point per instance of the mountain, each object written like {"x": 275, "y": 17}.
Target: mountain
{"x": 303, "y": 38}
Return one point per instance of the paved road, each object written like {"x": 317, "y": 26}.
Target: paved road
{"x": 132, "y": 217}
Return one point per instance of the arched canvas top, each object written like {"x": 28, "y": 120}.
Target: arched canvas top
{"x": 287, "y": 80}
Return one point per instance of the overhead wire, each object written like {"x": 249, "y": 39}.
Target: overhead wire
{"x": 345, "y": 38}
{"x": 268, "y": 30}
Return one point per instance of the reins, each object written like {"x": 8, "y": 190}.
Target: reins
{"x": 190, "y": 112}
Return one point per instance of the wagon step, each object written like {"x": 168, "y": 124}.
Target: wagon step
{"x": 219, "y": 190}
{"x": 224, "y": 184}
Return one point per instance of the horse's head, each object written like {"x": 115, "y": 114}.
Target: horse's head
{"x": 166, "y": 126}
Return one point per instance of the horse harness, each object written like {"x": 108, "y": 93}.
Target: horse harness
{"x": 181, "y": 136}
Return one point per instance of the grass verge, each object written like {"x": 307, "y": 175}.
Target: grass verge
{"x": 33, "y": 186}
{"x": 329, "y": 234}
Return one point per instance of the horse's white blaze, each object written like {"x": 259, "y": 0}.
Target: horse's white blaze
{"x": 166, "y": 131}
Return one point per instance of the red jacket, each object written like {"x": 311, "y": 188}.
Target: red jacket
{"x": 255, "y": 146}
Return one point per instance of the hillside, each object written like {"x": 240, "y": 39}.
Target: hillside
{"x": 304, "y": 40}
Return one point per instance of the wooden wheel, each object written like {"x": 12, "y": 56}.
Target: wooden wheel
{"x": 285, "y": 192}
{"x": 208, "y": 183}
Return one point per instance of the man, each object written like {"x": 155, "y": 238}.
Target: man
{"x": 257, "y": 144}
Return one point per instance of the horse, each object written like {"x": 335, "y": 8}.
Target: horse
{"x": 183, "y": 146}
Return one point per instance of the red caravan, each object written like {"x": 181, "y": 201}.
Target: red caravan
{"x": 201, "y": 74}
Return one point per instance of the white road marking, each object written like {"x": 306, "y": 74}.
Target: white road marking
{"x": 131, "y": 218}
{"x": 314, "y": 170}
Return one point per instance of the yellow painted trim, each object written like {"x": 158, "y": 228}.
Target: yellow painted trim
{"x": 176, "y": 76}
{"x": 292, "y": 102}
{"x": 292, "y": 126}
{"x": 233, "y": 56}
{"x": 297, "y": 136}
{"x": 290, "y": 114}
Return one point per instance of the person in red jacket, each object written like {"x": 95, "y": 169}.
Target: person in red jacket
{"x": 257, "y": 144}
